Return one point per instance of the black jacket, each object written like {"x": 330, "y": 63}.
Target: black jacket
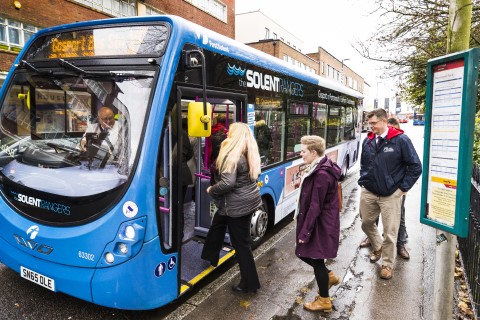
{"x": 392, "y": 165}
{"x": 235, "y": 194}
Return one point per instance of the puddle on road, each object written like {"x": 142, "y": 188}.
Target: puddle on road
{"x": 348, "y": 276}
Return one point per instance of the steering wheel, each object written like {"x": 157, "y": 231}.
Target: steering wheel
{"x": 62, "y": 147}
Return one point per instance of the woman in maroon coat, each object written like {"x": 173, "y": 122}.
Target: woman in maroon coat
{"x": 318, "y": 219}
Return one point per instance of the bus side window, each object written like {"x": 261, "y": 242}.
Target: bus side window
{"x": 349, "y": 132}
{"x": 334, "y": 126}
{"x": 271, "y": 147}
{"x": 319, "y": 120}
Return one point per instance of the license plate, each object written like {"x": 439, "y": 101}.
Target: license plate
{"x": 37, "y": 278}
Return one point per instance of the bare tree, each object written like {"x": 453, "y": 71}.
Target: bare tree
{"x": 409, "y": 33}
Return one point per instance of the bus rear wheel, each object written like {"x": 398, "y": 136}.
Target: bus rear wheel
{"x": 259, "y": 224}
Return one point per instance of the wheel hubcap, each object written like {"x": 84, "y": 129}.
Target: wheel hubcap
{"x": 258, "y": 226}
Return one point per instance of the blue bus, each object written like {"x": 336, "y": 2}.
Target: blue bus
{"x": 418, "y": 119}
{"x": 106, "y": 223}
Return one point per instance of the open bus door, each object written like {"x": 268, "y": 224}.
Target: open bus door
{"x": 193, "y": 207}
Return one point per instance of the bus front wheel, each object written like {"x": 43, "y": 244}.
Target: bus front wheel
{"x": 259, "y": 224}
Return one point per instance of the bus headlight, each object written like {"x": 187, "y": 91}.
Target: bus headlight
{"x": 109, "y": 257}
{"x": 122, "y": 247}
{"x": 127, "y": 243}
{"x": 130, "y": 232}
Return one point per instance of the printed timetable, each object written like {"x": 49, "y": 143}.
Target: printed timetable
{"x": 445, "y": 140}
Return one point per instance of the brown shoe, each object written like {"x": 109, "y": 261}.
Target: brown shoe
{"x": 365, "y": 243}
{"x": 386, "y": 273}
{"x": 333, "y": 280}
{"x": 402, "y": 252}
{"x": 375, "y": 255}
{"x": 320, "y": 304}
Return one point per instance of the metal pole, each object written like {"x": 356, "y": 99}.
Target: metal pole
{"x": 458, "y": 37}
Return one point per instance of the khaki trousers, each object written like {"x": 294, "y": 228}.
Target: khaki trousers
{"x": 371, "y": 205}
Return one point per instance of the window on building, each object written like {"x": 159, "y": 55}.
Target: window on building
{"x": 285, "y": 58}
{"x": 212, "y": 7}
{"x": 350, "y": 82}
{"x": 331, "y": 72}
{"x": 355, "y": 85}
{"x": 151, "y": 11}
{"x": 267, "y": 33}
{"x": 274, "y": 36}
{"x": 14, "y": 34}
{"x": 3, "y": 75}
{"x": 322, "y": 68}
{"x": 116, "y": 8}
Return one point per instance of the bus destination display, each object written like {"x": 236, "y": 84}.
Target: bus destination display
{"x": 120, "y": 41}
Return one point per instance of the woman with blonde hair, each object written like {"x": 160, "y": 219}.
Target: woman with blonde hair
{"x": 236, "y": 196}
{"x": 318, "y": 219}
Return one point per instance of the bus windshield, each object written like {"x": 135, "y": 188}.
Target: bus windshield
{"x": 53, "y": 140}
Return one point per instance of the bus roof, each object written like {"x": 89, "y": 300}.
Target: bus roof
{"x": 215, "y": 42}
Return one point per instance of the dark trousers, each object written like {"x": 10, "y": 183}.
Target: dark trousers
{"x": 402, "y": 231}
{"x": 321, "y": 274}
{"x": 239, "y": 230}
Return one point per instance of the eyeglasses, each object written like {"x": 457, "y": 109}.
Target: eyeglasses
{"x": 108, "y": 118}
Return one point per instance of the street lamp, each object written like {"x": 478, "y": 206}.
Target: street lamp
{"x": 343, "y": 60}
{"x": 346, "y": 59}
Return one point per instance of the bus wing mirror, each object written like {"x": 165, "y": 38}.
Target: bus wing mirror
{"x": 297, "y": 148}
{"x": 26, "y": 97}
{"x": 199, "y": 123}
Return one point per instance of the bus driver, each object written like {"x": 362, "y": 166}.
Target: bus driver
{"x": 105, "y": 124}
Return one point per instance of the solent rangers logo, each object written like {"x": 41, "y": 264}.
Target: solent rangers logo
{"x": 40, "y": 203}
{"x": 267, "y": 82}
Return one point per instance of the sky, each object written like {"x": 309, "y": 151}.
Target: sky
{"x": 334, "y": 25}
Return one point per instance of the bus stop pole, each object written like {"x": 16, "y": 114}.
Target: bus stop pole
{"x": 458, "y": 37}
{"x": 444, "y": 275}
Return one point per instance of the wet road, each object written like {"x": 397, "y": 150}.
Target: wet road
{"x": 286, "y": 281}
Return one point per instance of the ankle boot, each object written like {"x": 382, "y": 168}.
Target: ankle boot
{"x": 333, "y": 280}
{"x": 320, "y": 304}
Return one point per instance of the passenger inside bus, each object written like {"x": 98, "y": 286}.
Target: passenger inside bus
{"x": 263, "y": 137}
{"x": 219, "y": 133}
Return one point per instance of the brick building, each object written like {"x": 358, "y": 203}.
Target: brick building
{"x": 260, "y": 32}
{"x": 20, "y": 19}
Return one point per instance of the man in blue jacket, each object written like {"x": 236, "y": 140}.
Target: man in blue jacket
{"x": 389, "y": 167}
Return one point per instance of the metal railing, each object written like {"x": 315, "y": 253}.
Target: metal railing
{"x": 470, "y": 247}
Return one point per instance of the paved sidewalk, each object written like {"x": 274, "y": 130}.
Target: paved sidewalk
{"x": 287, "y": 282}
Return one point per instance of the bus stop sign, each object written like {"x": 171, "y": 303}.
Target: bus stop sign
{"x": 448, "y": 147}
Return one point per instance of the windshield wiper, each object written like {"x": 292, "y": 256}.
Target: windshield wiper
{"x": 71, "y": 66}
{"x": 29, "y": 66}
